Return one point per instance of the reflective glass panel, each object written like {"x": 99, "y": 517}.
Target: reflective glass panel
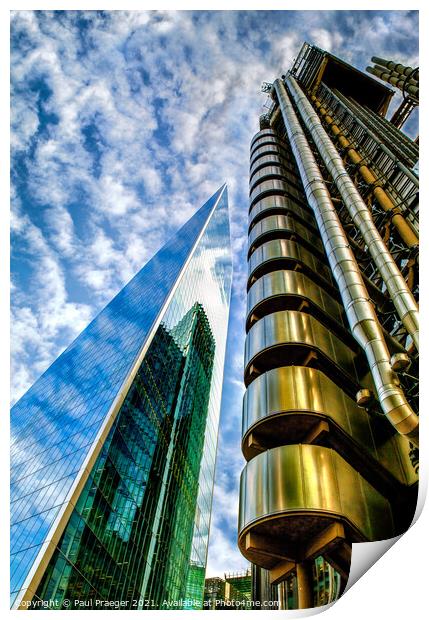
{"x": 155, "y": 470}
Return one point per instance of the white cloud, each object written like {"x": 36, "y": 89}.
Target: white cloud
{"x": 224, "y": 556}
{"x": 24, "y": 122}
{"x": 328, "y": 40}
{"x": 142, "y": 116}
{"x": 61, "y": 230}
{"x": 43, "y": 313}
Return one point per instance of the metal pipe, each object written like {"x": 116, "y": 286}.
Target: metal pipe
{"x": 404, "y": 229}
{"x": 396, "y": 139}
{"x": 274, "y": 114}
{"x": 400, "y": 82}
{"x": 382, "y": 146}
{"x": 395, "y": 66}
{"x": 403, "y": 111}
{"x": 400, "y": 294}
{"x": 388, "y": 131}
{"x": 409, "y": 79}
{"x": 361, "y": 316}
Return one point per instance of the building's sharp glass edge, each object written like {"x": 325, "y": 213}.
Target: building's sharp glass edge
{"x": 56, "y": 423}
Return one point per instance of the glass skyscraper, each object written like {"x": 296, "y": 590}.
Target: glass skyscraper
{"x": 114, "y": 446}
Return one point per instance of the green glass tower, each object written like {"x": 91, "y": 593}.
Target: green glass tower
{"x": 111, "y": 507}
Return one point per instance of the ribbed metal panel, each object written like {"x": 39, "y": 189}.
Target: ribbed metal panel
{"x": 271, "y": 291}
{"x": 273, "y": 159}
{"x": 276, "y": 186}
{"x": 272, "y": 147}
{"x": 275, "y": 172}
{"x": 283, "y": 405}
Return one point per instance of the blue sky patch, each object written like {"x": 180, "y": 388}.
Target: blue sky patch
{"x": 123, "y": 123}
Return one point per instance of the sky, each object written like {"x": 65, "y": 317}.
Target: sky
{"x": 123, "y": 123}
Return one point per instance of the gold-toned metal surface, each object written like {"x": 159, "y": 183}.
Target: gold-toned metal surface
{"x": 289, "y": 495}
{"x": 279, "y": 172}
{"x": 276, "y": 186}
{"x": 276, "y": 225}
{"x": 400, "y": 362}
{"x": 296, "y": 389}
{"x": 402, "y": 298}
{"x": 394, "y": 454}
{"x": 363, "y": 321}
{"x": 364, "y": 397}
{"x": 404, "y": 229}
{"x": 283, "y": 406}
{"x": 305, "y": 587}
{"x": 273, "y": 255}
{"x": 273, "y": 159}
{"x": 266, "y": 294}
{"x": 288, "y": 335}
{"x": 322, "y": 472}
{"x": 398, "y": 80}
{"x": 272, "y": 204}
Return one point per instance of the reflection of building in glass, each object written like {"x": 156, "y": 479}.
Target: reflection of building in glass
{"x": 326, "y": 582}
{"x": 262, "y": 589}
{"x": 326, "y": 586}
{"x": 114, "y": 446}
{"x": 330, "y": 430}
{"x": 232, "y": 592}
{"x": 195, "y": 585}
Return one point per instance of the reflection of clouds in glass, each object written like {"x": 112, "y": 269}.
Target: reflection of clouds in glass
{"x": 66, "y": 407}
{"x": 165, "y": 430}
{"x": 212, "y": 264}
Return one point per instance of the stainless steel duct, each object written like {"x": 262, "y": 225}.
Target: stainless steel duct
{"x": 409, "y": 173}
{"x": 400, "y": 82}
{"x": 401, "y": 296}
{"x": 396, "y": 66}
{"x": 410, "y": 80}
{"x": 361, "y": 316}
{"x": 398, "y": 141}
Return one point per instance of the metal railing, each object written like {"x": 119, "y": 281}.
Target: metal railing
{"x": 397, "y": 179}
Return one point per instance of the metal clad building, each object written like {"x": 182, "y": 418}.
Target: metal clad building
{"x": 330, "y": 424}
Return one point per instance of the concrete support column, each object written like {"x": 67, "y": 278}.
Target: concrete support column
{"x": 304, "y": 578}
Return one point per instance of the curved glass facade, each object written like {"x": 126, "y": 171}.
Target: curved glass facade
{"x": 114, "y": 452}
